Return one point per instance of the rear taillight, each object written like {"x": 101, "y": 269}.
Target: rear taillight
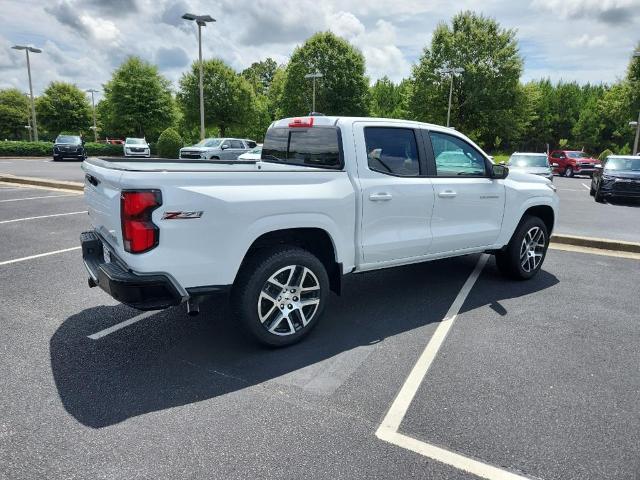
{"x": 139, "y": 234}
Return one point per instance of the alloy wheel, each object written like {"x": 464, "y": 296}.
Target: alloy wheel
{"x": 289, "y": 300}
{"x": 532, "y": 249}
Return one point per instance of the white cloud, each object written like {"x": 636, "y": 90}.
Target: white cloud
{"x": 102, "y": 30}
{"x": 607, "y": 11}
{"x": 586, "y": 40}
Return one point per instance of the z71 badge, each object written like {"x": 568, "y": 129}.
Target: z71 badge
{"x": 181, "y": 215}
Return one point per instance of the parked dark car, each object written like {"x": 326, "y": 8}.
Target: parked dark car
{"x": 69, "y": 146}
{"x": 619, "y": 176}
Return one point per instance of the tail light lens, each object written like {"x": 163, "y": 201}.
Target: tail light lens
{"x": 139, "y": 234}
{"x": 301, "y": 122}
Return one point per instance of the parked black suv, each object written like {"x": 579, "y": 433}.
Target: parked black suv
{"x": 69, "y": 146}
{"x": 619, "y": 176}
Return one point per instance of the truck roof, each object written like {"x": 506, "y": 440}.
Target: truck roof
{"x": 322, "y": 120}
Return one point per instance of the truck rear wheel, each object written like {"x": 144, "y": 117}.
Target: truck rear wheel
{"x": 523, "y": 256}
{"x": 279, "y": 295}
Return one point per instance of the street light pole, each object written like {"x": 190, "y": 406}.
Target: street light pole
{"x": 93, "y": 106}
{"x": 453, "y": 72}
{"x": 201, "y": 20}
{"x": 33, "y": 108}
{"x": 315, "y": 75}
{"x": 636, "y": 54}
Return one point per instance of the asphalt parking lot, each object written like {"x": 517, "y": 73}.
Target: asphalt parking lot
{"x": 538, "y": 379}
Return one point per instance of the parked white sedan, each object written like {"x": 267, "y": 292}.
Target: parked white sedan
{"x": 136, "y": 147}
{"x": 252, "y": 155}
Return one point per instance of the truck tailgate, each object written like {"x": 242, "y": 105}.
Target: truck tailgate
{"x": 102, "y": 195}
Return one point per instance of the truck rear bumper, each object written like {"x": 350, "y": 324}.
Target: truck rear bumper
{"x": 144, "y": 292}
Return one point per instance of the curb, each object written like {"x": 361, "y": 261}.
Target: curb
{"x": 42, "y": 182}
{"x": 599, "y": 243}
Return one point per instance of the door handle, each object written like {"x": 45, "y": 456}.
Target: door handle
{"x": 380, "y": 197}
{"x": 447, "y": 194}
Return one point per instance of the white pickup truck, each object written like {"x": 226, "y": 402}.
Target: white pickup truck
{"x": 330, "y": 196}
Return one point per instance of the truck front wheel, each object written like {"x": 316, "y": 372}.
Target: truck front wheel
{"x": 523, "y": 256}
{"x": 280, "y": 294}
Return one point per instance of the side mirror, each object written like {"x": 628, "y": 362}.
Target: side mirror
{"x": 554, "y": 164}
{"x": 499, "y": 171}
{"x": 224, "y": 147}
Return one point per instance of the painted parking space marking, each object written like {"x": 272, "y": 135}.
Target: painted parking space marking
{"x": 586, "y": 186}
{"x": 37, "y": 198}
{"x": 388, "y": 429}
{"x": 121, "y": 325}
{"x": 41, "y": 216}
{"x": 39, "y": 255}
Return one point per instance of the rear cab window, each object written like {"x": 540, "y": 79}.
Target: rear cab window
{"x": 310, "y": 147}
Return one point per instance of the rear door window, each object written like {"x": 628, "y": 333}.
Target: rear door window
{"x": 236, "y": 144}
{"x": 311, "y": 147}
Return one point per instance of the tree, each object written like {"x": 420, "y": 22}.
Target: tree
{"x": 14, "y": 113}
{"x": 275, "y": 93}
{"x": 485, "y": 94}
{"x": 260, "y": 75}
{"x": 137, "y": 100}
{"x": 228, "y": 97}
{"x": 389, "y": 100}
{"x": 63, "y": 107}
{"x": 343, "y": 89}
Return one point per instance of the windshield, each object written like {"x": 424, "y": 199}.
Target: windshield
{"x": 622, "y": 164}
{"x": 209, "y": 142}
{"x": 528, "y": 161}
{"x": 71, "y": 139}
{"x": 577, "y": 155}
{"x": 136, "y": 141}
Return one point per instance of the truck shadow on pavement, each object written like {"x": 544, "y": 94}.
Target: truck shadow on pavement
{"x": 171, "y": 359}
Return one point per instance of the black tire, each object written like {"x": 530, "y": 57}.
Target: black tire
{"x": 592, "y": 191}
{"x": 252, "y": 282}
{"x": 509, "y": 260}
{"x": 598, "y": 196}
{"x": 568, "y": 172}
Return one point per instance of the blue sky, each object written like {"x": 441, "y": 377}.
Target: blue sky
{"x": 83, "y": 40}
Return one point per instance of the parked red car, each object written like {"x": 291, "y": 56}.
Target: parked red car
{"x": 572, "y": 162}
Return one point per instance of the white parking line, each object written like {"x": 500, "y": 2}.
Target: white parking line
{"x": 41, "y": 216}
{"x": 31, "y": 257}
{"x": 36, "y": 198}
{"x": 586, "y": 186}
{"x": 121, "y": 325}
{"x": 388, "y": 429}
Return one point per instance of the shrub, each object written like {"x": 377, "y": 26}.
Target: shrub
{"x": 103, "y": 150}
{"x": 169, "y": 144}
{"x": 25, "y": 149}
{"x": 604, "y": 155}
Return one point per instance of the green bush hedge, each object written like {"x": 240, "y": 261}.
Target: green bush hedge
{"x": 45, "y": 149}
{"x": 25, "y": 149}
{"x": 169, "y": 144}
{"x": 103, "y": 150}
{"x": 604, "y": 155}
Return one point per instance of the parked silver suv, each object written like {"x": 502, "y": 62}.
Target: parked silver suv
{"x": 217, "y": 149}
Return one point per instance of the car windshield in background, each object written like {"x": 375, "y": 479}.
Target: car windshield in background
{"x": 256, "y": 150}
{"x": 577, "y": 155}
{"x": 622, "y": 164}
{"x": 136, "y": 141}
{"x": 70, "y": 139}
{"x": 528, "y": 161}
{"x": 209, "y": 142}
{"x": 311, "y": 147}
